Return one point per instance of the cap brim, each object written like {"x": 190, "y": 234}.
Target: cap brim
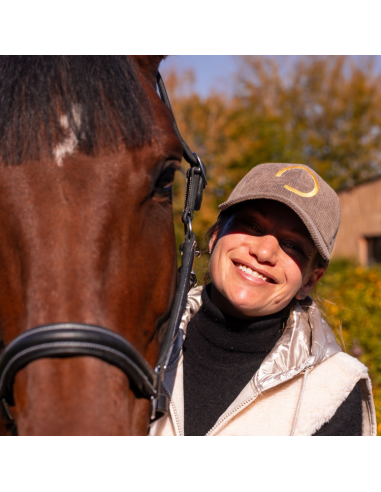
{"x": 307, "y": 221}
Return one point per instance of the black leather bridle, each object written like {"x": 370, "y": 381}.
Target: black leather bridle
{"x": 75, "y": 339}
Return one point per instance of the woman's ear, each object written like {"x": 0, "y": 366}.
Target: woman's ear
{"x": 312, "y": 280}
{"x": 212, "y": 242}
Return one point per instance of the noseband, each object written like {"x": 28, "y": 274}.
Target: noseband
{"x": 77, "y": 339}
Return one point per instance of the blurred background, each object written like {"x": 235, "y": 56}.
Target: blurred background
{"x": 323, "y": 111}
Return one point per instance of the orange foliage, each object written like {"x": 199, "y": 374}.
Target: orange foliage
{"x": 323, "y": 111}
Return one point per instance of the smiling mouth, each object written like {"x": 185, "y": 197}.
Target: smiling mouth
{"x": 253, "y": 273}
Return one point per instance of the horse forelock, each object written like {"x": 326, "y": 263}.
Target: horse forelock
{"x": 61, "y": 103}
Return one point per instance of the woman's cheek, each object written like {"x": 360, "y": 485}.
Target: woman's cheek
{"x": 293, "y": 273}
{"x": 213, "y": 269}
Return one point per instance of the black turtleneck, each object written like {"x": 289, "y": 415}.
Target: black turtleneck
{"x": 222, "y": 354}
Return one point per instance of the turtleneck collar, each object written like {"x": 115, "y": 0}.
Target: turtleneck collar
{"x": 240, "y": 335}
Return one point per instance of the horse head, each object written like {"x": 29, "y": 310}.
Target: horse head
{"x": 88, "y": 155}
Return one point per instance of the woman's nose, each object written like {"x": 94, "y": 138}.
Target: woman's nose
{"x": 265, "y": 249}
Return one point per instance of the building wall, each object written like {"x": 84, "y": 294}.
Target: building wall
{"x": 360, "y": 220}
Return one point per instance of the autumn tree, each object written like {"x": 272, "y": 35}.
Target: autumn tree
{"x": 324, "y": 111}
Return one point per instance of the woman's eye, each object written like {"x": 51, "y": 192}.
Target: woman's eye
{"x": 293, "y": 247}
{"x": 250, "y": 226}
{"x": 257, "y": 230}
{"x": 165, "y": 182}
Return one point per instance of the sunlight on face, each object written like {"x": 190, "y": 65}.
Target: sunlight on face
{"x": 263, "y": 258}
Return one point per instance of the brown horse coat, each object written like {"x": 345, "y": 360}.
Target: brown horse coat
{"x": 87, "y": 236}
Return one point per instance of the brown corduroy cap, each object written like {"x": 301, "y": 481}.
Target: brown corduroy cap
{"x": 301, "y": 189}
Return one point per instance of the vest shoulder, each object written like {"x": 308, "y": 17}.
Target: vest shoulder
{"x": 342, "y": 362}
{"x": 327, "y": 386}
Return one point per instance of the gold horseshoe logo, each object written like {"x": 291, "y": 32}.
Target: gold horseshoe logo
{"x": 297, "y": 192}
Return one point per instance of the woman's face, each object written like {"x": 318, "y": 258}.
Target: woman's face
{"x": 264, "y": 257}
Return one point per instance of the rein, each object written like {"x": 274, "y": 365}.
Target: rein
{"x": 74, "y": 339}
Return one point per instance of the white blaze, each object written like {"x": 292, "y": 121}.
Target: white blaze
{"x": 68, "y": 146}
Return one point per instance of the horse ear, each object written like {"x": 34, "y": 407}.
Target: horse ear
{"x": 149, "y": 65}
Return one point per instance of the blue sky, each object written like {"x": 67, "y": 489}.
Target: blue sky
{"x": 211, "y": 71}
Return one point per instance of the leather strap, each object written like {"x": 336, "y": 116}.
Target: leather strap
{"x": 187, "y": 153}
{"x": 178, "y": 303}
{"x": 75, "y": 339}
{"x": 196, "y": 183}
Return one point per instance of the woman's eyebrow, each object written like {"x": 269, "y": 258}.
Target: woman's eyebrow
{"x": 258, "y": 211}
{"x": 300, "y": 231}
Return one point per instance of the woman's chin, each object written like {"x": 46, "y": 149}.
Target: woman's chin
{"x": 249, "y": 309}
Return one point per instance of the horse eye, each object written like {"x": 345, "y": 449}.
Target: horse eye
{"x": 165, "y": 182}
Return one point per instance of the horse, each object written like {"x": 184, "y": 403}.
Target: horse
{"x": 88, "y": 154}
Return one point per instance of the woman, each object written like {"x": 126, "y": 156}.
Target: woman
{"x": 254, "y": 356}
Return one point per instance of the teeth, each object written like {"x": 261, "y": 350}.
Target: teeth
{"x": 251, "y": 272}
